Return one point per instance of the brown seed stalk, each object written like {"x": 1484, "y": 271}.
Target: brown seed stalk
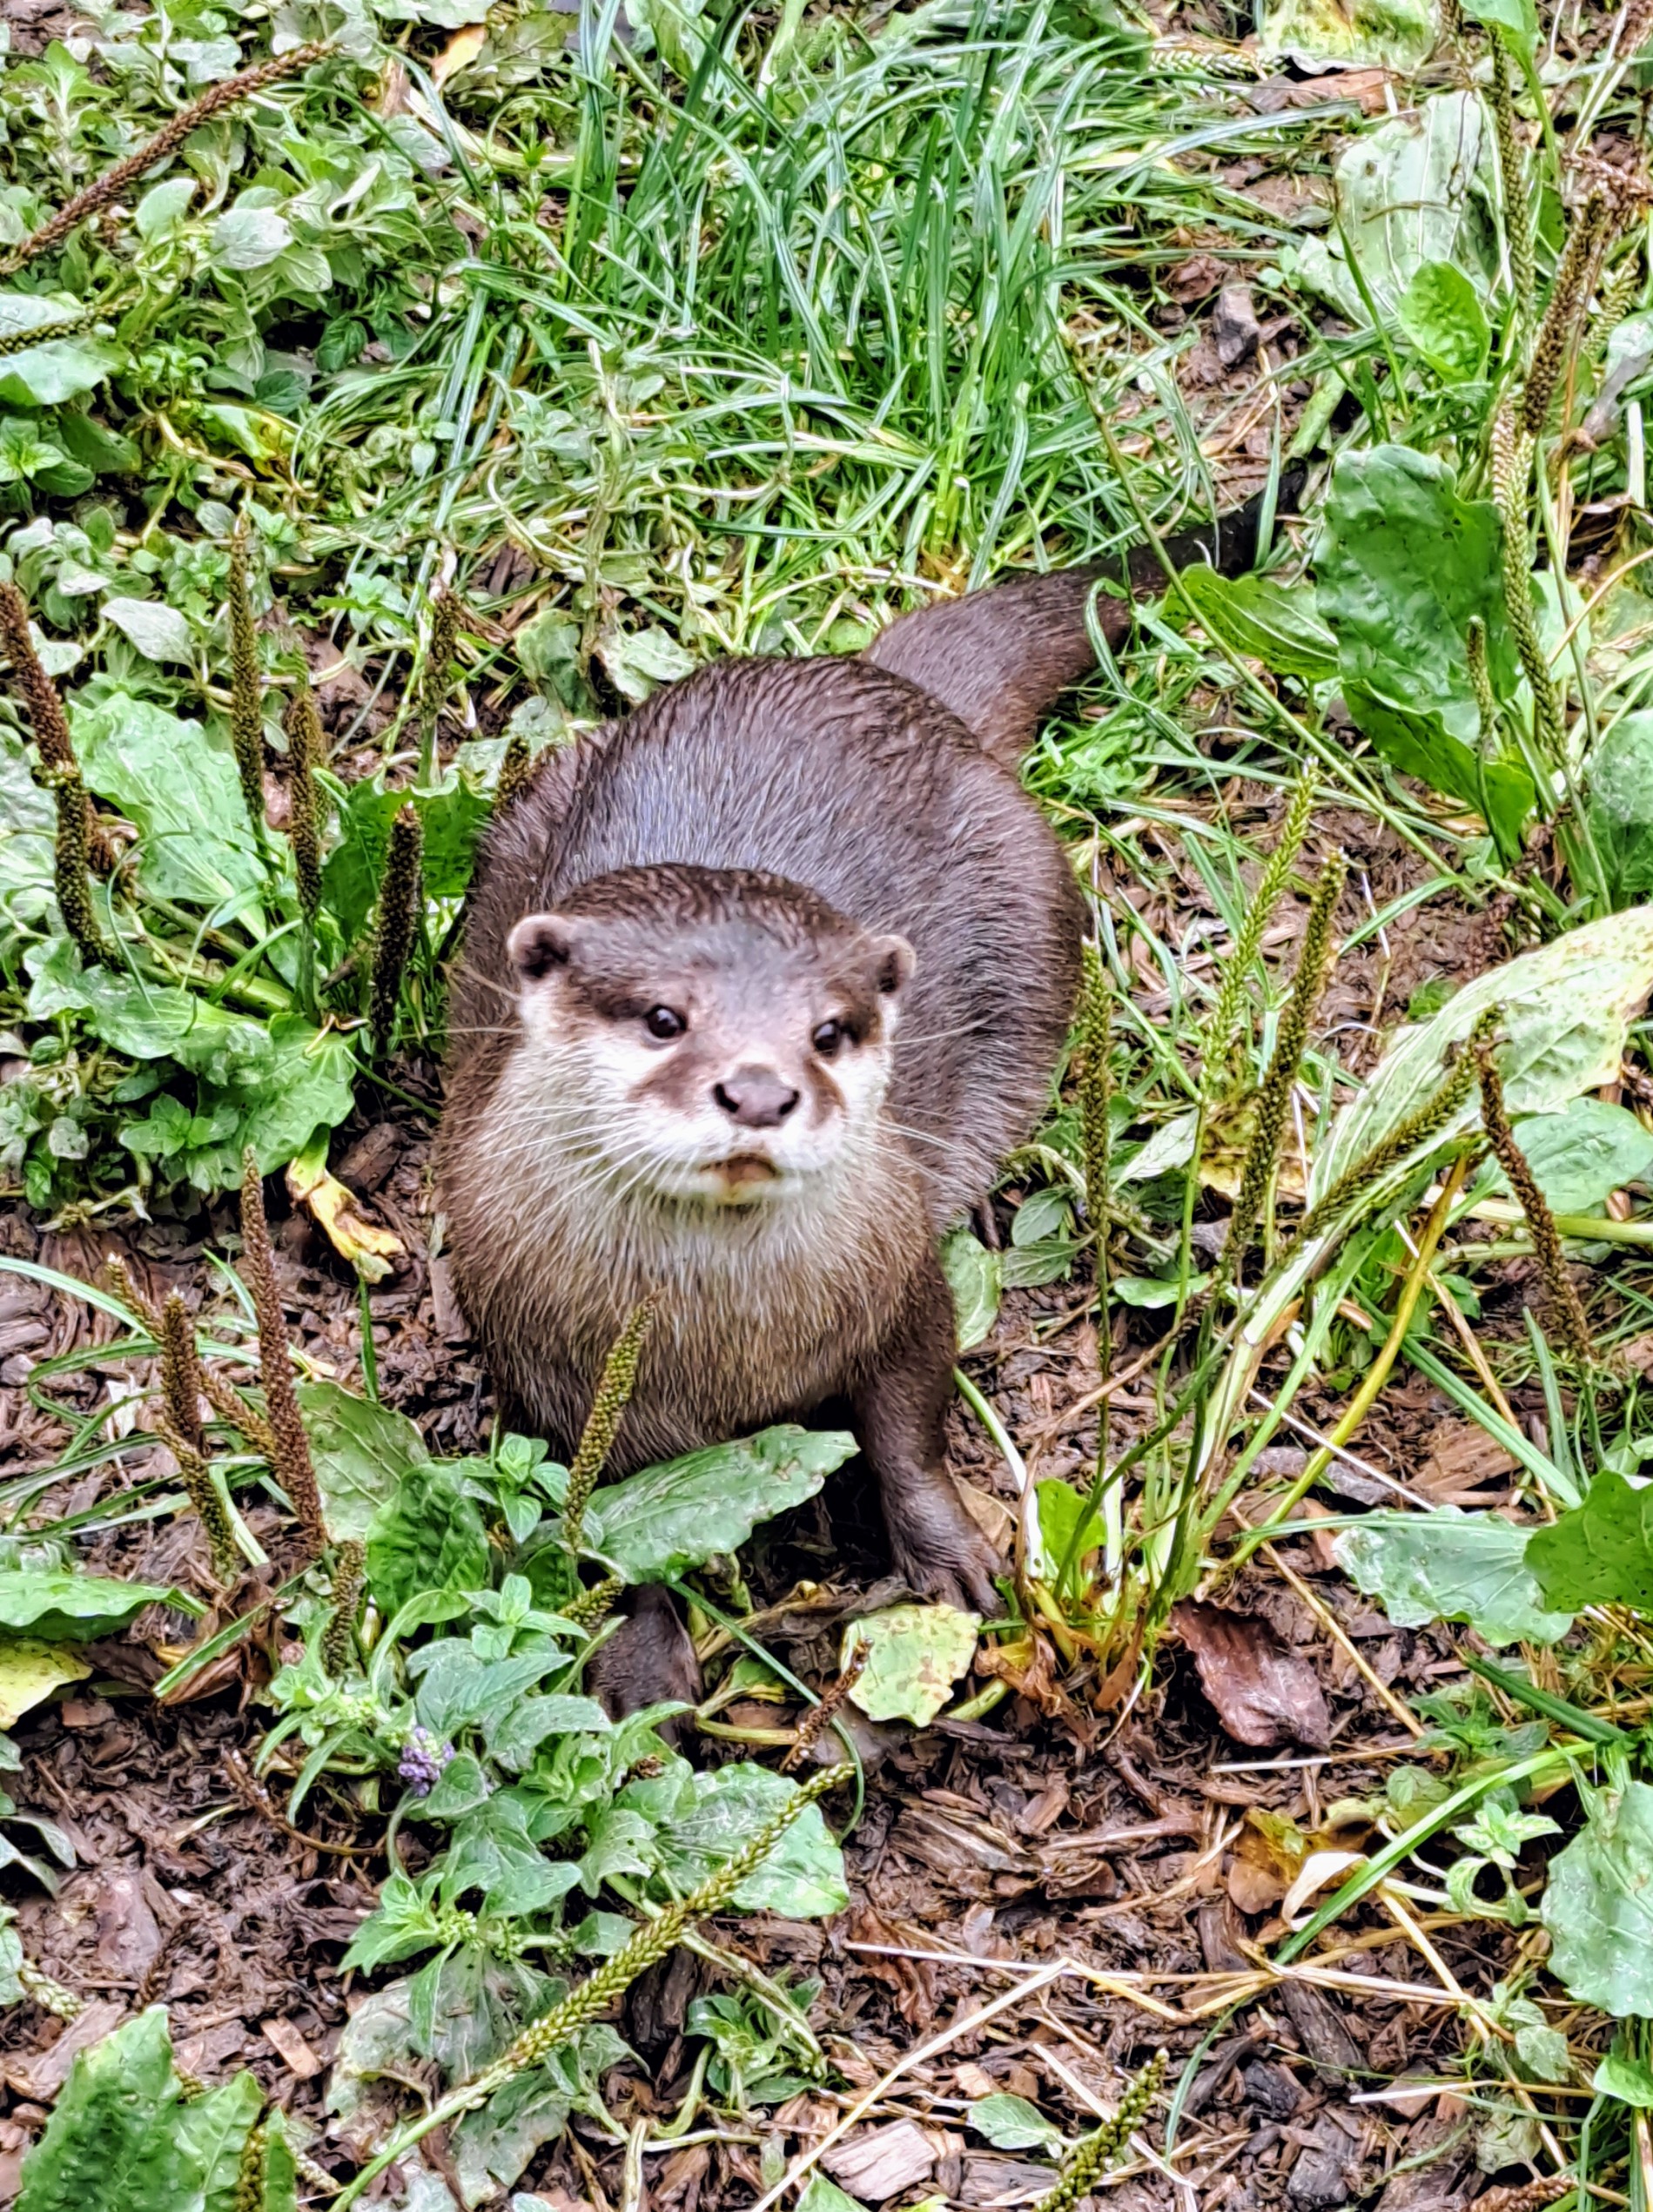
{"x": 400, "y": 895}
{"x": 103, "y": 190}
{"x": 306, "y": 748}
{"x": 821, "y": 1717}
{"x": 291, "y": 1459}
{"x": 1566, "y": 1309}
{"x": 247, "y": 685}
{"x": 45, "y": 710}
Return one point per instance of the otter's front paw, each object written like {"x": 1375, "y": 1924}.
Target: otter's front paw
{"x": 939, "y": 1551}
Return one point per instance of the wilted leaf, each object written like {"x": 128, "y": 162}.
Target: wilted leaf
{"x": 60, "y": 1607}
{"x": 914, "y": 1654}
{"x": 1012, "y": 2123}
{"x": 1598, "y": 1907}
{"x": 1602, "y": 1552}
{"x": 1263, "y": 1694}
{"x": 30, "y": 1671}
{"x": 804, "y": 1875}
{"x": 361, "y": 1452}
{"x": 1417, "y": 188}
{"x": 685, "y": 1511}
{"x": 1446, "y": 1565}
{"x": 1396, "y": 34}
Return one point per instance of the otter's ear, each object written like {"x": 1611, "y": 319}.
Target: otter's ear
{"x": 540, "y": 944}
{"x": 892, "y": 964}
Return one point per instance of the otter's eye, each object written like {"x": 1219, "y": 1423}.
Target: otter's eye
{"x": 663, "y": 1024}
{"x": 828, "y": 1038}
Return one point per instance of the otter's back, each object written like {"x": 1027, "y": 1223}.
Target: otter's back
{"x": 847, "y": 778}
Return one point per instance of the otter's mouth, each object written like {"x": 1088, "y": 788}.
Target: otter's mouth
{"x": 744, "y": 1170}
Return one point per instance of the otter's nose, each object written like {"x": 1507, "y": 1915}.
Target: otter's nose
{"x": 757, "y": 1097}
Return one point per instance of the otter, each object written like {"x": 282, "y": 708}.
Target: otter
{"x": 757, "y": 988}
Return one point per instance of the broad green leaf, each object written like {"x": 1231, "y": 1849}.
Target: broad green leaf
{"x": 1628, "y": 2079}
{"x": 1419, "y": 187}
{"x": 1277, "y": 624}
{"x": 1598, "y": 1907}
{"x": 159, "y": 632}
{"x": 164, "y": 207}
{"x": 804, "y": 1875}
{"x": 1389, "y": 34}
{"x": 1564, "y": 1013}
{"x": 29, "y": 1671}
{"x": 1061, "y": 1509}
{"x": 1448, "y": 1565}
{"x": 1601, "y": 1553}
{"x": 114, "y": 2143}
{"x": 1012, "y": 2123}
{"x": 1517, "y": 17}
{"x": 361, "y": 1452}
{"x": 1440, "y": 313}
{"x": 914, "y": 1654}
{"x": 1403, "y": 567}
{"x": 972, "y": 1274}
{"x": 428, "y": 1536}
{"x": 181, "y": 792}
{"x": 1621, "y": 805}
{"x": 823, "y": 2196}
{"x": 214, "y": 2130}
{"x": 683, "y": 1512}
{"x": 249, "y": 237}
{"x": 57, "y": 1606}
{"x": 56, "y": 370}
{"x": 1582, "y": 1156}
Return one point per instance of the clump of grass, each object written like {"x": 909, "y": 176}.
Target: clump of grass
{"x": 104, "y": 190}
{"x": 290, "y": 1459}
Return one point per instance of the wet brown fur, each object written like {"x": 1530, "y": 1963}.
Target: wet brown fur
{"x": 822, "y": 803}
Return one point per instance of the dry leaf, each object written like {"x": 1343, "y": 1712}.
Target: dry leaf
{"x": 1263, "y": 1693}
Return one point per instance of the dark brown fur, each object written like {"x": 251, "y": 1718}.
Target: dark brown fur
{"x": 798, "y": 811}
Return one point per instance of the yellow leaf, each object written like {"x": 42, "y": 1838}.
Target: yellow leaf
{"x": 30, "y": 1671}
{"x": 368, "y": 1248}
{"x": 462, "y": 48}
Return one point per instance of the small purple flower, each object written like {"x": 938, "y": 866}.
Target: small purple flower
{"x": 422, "y": 1761}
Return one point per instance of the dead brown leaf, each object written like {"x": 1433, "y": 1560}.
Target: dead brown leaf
{"x": 1263, "y": 1694}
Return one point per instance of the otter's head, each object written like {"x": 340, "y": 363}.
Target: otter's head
{"x": 712, "y": 1036}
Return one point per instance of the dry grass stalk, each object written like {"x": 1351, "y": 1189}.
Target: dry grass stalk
{"x": 104, "y": 190}
{"x": 290, "y": 1461}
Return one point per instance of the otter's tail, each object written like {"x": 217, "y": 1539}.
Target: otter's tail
{"x": 1000, "y": 658}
